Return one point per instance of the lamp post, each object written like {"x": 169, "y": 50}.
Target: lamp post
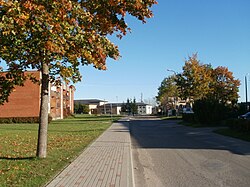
{"x": 175, "y": 98}
{"x": 247, "y": 107}
{"x": 172, "y": 71}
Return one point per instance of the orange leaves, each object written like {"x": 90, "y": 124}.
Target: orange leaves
{"x": 67, "y": 4}
{"x": 22, "y": 19}
{"x": 28, "y": 5}
{"x": 52, "y": 47}
{"x": 66, "y": 30}
{"x": 200, "y": 81}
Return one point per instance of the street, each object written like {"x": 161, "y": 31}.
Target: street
{"x": 168, "y": 154}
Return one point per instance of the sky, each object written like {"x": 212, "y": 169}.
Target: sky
{"x": 218, "y": 30}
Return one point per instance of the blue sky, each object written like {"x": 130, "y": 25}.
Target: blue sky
{"x": 219, "y": 30}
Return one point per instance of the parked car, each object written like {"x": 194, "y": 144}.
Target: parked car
{"x": 245, "y": 116}
{"x": 188, "y": 111}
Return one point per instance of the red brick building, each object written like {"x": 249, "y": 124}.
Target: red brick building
{"x": 61, "y": 101}
{"x": 24, "y": 101}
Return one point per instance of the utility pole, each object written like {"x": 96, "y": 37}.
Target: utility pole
{"x": 104, "y": 107}
{"x": 246, "y": 92}
{"x": 176, "y": 96}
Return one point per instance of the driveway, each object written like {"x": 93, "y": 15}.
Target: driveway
{"x": 168, "y": 154}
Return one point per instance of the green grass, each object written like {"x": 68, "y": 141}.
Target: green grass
{"x": 194, "y": 125}
{"x": 235, "y": 134}
{"x": 171, "y": 118}
{"x": 66, "y": 139}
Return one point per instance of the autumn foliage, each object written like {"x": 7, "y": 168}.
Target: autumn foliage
{"x": 63, "y": 33}
{"x": 213, "y": 91}
{"x": 201, "y": 81}
{"x": 57, "y": 36}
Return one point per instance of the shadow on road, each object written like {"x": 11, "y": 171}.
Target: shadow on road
{"x": 163, "y": 134}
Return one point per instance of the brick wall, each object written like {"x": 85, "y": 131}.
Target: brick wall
{"x": 23, "y": 101}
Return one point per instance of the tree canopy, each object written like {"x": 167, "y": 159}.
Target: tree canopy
{"x": 194, "y": 81}
{"x": 167, "y": 90}
{"x": 64, "y": 34}
{"x": 201, "y": 81}
{"x": 56, "y": 37}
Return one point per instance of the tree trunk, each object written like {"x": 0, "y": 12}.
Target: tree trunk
{"x": 43, "y": 118}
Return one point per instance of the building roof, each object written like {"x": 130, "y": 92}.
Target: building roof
{"x": 142, "y": 104}
{"x": 89, "y": 101}
{"x": 113, "y": 104}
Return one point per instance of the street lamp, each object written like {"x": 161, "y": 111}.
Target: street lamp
{"x": 172, "y": 71}
{"x": 247, "y": 107}
{"x": 175, "y": 98}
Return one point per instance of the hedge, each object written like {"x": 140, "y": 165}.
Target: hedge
{"x": 188, "y": 117}
{"x": 22, "y": 120}
{"x": 241, "y": 125}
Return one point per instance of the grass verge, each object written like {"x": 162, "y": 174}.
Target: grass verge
{"x": 171, "y": 118}
{"x": 66, "y": 139}
{"x": 235, "y": 134}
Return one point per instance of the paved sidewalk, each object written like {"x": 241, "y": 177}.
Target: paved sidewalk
{"x": 106, "y": 162}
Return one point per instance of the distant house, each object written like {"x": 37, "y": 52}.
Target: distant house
{"x": 144, "y": 109}
{"x": 110, "y": 108}
{"x": 97, "y": 106}
{"x": 93, "y": 104}
{"x": 24, "y": 101}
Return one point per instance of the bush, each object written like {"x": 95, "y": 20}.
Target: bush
{"x": 208, "y": 111}
{"x": 188, "y": 117}
{"x": 240, "y": 125}
{"x": 23, "y": 120}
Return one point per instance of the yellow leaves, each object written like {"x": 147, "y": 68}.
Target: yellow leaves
{"x": 66, "y": 72}
{"x": 66, "y": 29}
{"x": 52, "y": 47}
{"x": 5, "y": 33}
{"x": 28, "y": 5}
{"x": 21, "y": 19}
{"x": 67, "y": 4}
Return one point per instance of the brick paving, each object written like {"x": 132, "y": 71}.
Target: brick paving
{"x": 105, "y": 163}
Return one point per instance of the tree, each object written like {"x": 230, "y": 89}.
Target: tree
{"x": 225, "y": 86}
{"x": 133, "y": 106}
{"x": 214, "y": 92}
{"x": 130, "y": 107}
{"x": 199, "y": 81}
{"x": 167, "y": 92}
{"x": 81, "y": 108}
{"x": 56, "y": 37}
{"x": 194, "y": 82}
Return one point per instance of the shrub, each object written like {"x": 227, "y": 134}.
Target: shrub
{"x": 23, "y": 120}
{"x": 6, "y": 120}
{"x": 188, "y": 117}
{"x": 241, "y": 125}
{"x": 208, "y": 111}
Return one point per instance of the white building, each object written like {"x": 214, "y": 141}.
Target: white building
{"x": 93, "y": 104}
{"x": 110, "y": 108}
{"x": 144, "y": 109}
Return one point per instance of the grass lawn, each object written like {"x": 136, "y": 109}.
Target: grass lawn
{"x": 235, "y": 134}
{"x": 66, "y": 139}
{"x": 171, "y": 118}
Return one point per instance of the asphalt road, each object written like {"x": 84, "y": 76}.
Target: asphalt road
{"x": 171, "y": 155}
